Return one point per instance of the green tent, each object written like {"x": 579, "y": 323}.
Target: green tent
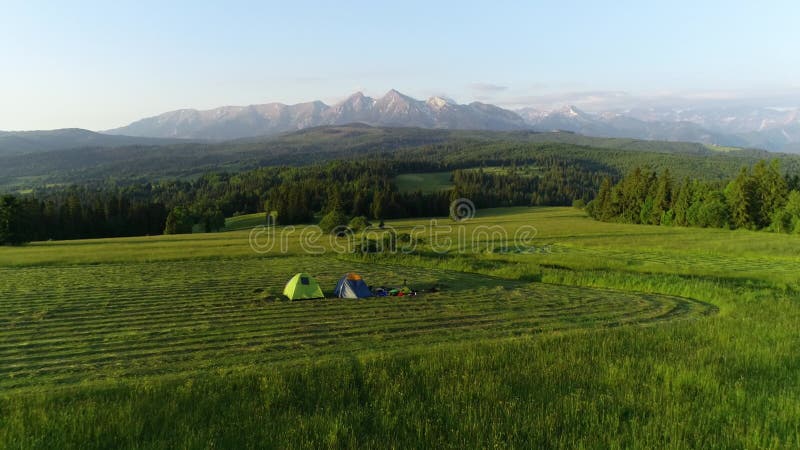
{"x": 302, "y": 286}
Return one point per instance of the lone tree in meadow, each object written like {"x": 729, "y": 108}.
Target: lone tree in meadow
{"x": 331, "y": 221}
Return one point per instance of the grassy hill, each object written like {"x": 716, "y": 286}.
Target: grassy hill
{"x": 585, "y": 334}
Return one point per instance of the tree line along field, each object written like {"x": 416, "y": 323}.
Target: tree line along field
{"x": 595, "y": 334}
{"x": 401, "y": 180}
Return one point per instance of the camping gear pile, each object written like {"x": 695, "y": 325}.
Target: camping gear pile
{"x": 404, "y": 291}
{"x": 303, "y": 286}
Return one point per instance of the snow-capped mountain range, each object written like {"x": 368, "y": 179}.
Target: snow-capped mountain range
{"x": 760, "y": 127}
{"x": 393, "y": 109}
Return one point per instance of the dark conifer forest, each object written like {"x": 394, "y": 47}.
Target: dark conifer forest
{"x": 761, "y": 197}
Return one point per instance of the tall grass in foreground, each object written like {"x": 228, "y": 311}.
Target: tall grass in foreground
{"x": 722, "y": 384}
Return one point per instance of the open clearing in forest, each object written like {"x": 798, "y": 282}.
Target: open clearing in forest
{"x": 425, "y": 182}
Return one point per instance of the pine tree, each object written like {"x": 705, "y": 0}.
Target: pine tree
{"x": 603, "y": 209}
{"x": 793, "y": 209}
{"x": 772, "y": 191}
{"x": 662, "y": 199}
{"x": 682, "y": 203}
{"x": 379, "y": 201}
{"x": 171, "y": 226}
{"x": 14, "y": 226}
{"x": 632, "y": 193}
{"x": 334, "y": 202}
{"x": 6, "y": 218}
{"x": 742, "y": 198}
{"x": 73, "y": 217}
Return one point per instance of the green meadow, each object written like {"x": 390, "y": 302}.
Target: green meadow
{"x": 244, "y": 222}
{"x": 575, "y": 334}
{"x": 424, "y": 182}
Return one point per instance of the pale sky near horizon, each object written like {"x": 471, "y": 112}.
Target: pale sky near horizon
{"x": 99, "y": 65}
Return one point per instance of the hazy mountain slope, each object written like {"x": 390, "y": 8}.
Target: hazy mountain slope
{"x": 21, "y": 142}
{"x": 620, "y": 125}
{"x": 229, "y": 122}
{"x": 767, "y": 128}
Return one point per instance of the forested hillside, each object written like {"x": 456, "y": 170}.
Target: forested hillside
{"x": 304, "y": 176}
{"x": 143, "y": 163}
{"x": 294, "y": 195}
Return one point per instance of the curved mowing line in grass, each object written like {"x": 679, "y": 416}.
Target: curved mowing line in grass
{"x": 28, "y": 353}
{"x": 60, "y": 334}
{"x": 72, "y": 324}
{"x": 60, "y": 351}
{"x": 61, "y": 330}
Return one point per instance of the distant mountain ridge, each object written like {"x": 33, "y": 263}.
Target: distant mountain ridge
{"x": 621, "y": 125}
{"x": 23, "y": 142}
{"x": 393, "y": 109}
{"x": 763, "y": 128}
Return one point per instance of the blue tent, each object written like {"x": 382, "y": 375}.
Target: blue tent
{"x": 352, "y": 286}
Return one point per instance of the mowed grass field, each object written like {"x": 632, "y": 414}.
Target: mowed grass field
{"x": 155, "y": 318}
{"x": 244, "y": 222}
{"x": 587, "y": 335}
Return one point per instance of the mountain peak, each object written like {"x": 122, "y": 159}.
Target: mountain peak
{"x": 440, "y": 102}
{"x": 356, "y": 95}
{"x": 393, "y": 94}
{"x": 357, "y": 98}
{"x": 571, "y": 111}
{"x": 356, "y": 103}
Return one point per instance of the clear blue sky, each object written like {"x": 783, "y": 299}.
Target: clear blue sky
{"x": 103, "y": 64}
